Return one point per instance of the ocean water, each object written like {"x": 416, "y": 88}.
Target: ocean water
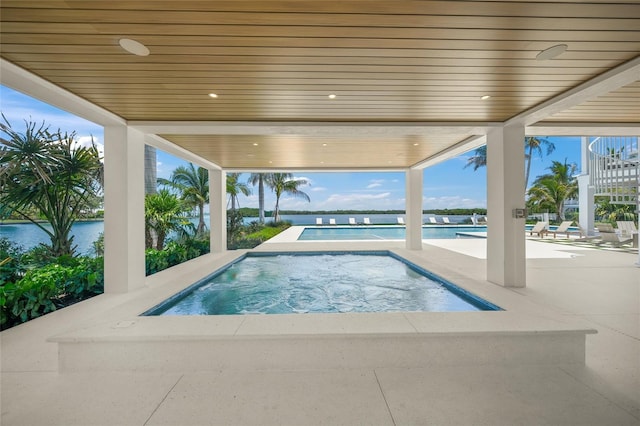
{"x": 29, "y": 235}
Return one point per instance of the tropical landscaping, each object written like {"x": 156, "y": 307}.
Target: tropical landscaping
{"x": 51, "y": 180}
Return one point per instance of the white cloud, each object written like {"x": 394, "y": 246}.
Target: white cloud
{"x": 318, "y": 189}
{"x": 452, "y": 202}
{"x": 373, "y": 185}
{"x": 86, "y": 142}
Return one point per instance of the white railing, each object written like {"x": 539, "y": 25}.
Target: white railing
{"x": 614, "y": 168}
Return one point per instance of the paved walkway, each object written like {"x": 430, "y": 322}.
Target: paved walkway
{"x": 598, "y": 288}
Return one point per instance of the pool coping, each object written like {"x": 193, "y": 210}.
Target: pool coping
{"x": 451, "y": 287}
{"x": 125, "y": 322}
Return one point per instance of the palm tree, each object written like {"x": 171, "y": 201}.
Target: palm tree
{"x": 478, "y": 159}
{"x": 150, "y": 170}
{"x": 163, "y": 213}
{"x": 51, "y": 173}
{"x": 235, "y": 188}
{"x": 282, "y": 183}
{"x": 193, "y": 184}
{"x": 553, "y": 189}
{"x": 534, "y": 145}
{"x": 259, "y": 179}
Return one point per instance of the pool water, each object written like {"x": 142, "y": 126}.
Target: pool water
{"x": 383, "y": 232}
{"x": 315, "y": 283}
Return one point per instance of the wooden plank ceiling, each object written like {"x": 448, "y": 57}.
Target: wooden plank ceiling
{"x": 385, "y": 61}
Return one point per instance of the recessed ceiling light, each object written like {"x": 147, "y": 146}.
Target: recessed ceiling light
{"x": 213, "y": 95}
{"x": 485, "y": 97}
{"x": 332, "y": 96}
{"x": 551, "y": 52}
{"x": 324, "y": 144}
{"x": 133, "y": 47}
{"x": 255, "y": 144}
{"x": 416, "y": 144}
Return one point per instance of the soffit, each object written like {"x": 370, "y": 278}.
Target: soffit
{"x": 400, "y": 61}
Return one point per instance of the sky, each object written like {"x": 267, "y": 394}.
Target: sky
{"x": 446, "y": 185}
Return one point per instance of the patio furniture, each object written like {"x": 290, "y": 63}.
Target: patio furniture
{"x": 332, "y": 221}
{"x": 352, "y": 221}
{"x": 318, "y": 221}
{"x": 366, "y": 221}
{"x": 614, "y": 239}
{"x": 563, "y": 228}
{"x": 540, "y": 229}
{"x": 400, "y": 220}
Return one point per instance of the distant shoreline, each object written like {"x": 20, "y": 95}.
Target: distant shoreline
{"x": 23, "y": 221}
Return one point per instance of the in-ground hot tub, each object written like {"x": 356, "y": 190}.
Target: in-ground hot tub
{"x": 320, "y": 282}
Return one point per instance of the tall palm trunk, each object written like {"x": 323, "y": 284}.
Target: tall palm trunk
{"x": 261, "y": 199}
{"x": 150, "y": 170}
{"x": 526, "y": 175}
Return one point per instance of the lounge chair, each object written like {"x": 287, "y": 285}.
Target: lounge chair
{"x": 563, "y": 228}
{"x": 352, "y": 221}
{"x": 332, "y": 221}
{"x": 540, "y": 229}
{"x": 446, "y": 220}
{"x": 614, "y": 239}
{"x": 318, "y": 221}
{"x": 433, "y": 220}
{"x": 366, "y": 221}
{"x": 400, "y": 220}
{"x": 584, "y": 234}
{"x": 627, "y": 227}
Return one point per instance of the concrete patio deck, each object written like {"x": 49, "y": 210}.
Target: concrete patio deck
{"x": 580, "y": 287}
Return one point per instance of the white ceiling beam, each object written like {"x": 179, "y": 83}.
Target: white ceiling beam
{"x": 30, "y": 84}
{"x": 618, "y": 77}
{"x": 583, "y": 129}
{"x": 466, "y": 145}
{"x": 173, "y": 149}
{"x": 325, "y": 129}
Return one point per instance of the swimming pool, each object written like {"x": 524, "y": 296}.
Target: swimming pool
{"x": 267, "y": 283}
{"x": 383, "y": 232}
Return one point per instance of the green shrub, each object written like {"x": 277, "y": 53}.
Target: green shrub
{"x": 52, "y": 286}
{"x": 32, "y": 296}
{"x": 155, "y": 261}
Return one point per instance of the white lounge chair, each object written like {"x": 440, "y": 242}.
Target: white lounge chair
{"x": 446, "y": 220}
{"x": 627, "y": 227}
{"x": 540, "y": 229}
{"x": 400, "y": 220}
{"x": 318, "y": 221}
{"x": 563, "y": 228}
{"x": 614, "y": 239}
{"x": 433, "y": 220}
{"x": 352, "y": 221}
{"x": 332, "y": 221}
{"x": 366, "y": 221}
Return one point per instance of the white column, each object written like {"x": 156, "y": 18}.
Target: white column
{"x": 218, "y": 210}
{"x": 586, "y": 192}
{"x": 506, "y": 260}
{"x": 413, "y": 208}
{"x": 124, "y": 266}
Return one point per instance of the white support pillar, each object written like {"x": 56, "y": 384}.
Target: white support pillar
{"x": 218, "y": 210}
{"x": 413, "y": 208}
{"x": 124, "y": 262}
{"x": 586, "y": 192}
{"x": 506, "y": 257}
